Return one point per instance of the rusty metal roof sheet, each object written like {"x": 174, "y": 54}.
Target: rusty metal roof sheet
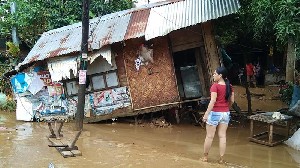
{"x": 137, "y": 25}
{"x": 150, "y": 20}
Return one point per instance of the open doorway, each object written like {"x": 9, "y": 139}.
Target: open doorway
{"x": 187, "y": 74}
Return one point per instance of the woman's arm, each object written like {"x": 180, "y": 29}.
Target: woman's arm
{"x": 231, "y": 101}
{"x": 211, "y": 104}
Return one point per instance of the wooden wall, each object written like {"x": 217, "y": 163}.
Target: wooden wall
{"x": 186, "y": 38}
{"x": 212, "y": 58}
{"x": 151, "y": 89}
{"x": 193, "y": 37}
{"x": 119, "y": 58}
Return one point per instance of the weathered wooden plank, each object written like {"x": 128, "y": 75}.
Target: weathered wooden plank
{"x": 67, "y": 154}
{"x": 211, "y": 49}
{"x": 63, "y": 147}
{"x": 76, "y": 152}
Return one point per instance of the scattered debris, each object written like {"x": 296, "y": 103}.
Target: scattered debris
{"x": 257, "y": 94}
{"x": 160, "y": 122}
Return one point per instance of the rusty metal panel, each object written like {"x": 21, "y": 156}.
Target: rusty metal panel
{"x": 56, "y": 42}
{"x": 163, "y": 18}
{"x": 166, "y": 18}
{"x": 137, "y": 25}
{"x": 151, "y": 89}
{"x": 110, "y": 31}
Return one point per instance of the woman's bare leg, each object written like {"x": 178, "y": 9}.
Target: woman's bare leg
{"x": 210, "y": 133}
{"x": 222, "y": 128}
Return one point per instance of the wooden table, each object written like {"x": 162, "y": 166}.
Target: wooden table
{"x": 269, "y": 138}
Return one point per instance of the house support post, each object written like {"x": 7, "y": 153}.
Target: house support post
{"x": 83, "y": 65}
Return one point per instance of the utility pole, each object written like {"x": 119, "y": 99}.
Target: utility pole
{"x": 83, "y": 65}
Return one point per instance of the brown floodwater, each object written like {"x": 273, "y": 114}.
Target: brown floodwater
{"x": 115, "y": 145}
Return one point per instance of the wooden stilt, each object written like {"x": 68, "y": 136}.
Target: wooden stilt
{"x": 65, "y": 148}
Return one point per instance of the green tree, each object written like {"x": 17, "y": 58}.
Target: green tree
{"x": 274, "y": 23}
{"x": 33, "y": 17}
{"x": 281, "y": 18}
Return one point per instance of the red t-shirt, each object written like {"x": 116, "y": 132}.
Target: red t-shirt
{"x": 249, "y": 69}
{"x": 221, "y": 104}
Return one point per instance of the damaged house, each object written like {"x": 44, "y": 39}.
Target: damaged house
{"x": 141, "y": 60}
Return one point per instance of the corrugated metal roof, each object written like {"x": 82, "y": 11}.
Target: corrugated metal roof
{"x": 164, "y": 19}
{"x": 150, "y": 20}
{"x": 109, "y": 31}
{"x": 137, "y": 25}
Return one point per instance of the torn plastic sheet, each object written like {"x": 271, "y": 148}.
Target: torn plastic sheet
{"x": 294, "y": 141}
{"x": 105, "y": 52}
{"x": 60, "y": 68}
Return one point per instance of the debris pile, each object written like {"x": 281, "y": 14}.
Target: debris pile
{"x": 160, "y": 122}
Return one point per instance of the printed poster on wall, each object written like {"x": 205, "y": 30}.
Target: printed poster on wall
{"x": 46, "y": 77}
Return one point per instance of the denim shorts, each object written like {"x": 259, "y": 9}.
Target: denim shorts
{"x": 214, "y": 118}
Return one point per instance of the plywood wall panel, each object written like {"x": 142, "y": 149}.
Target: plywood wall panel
{"x": 153, "y": 88}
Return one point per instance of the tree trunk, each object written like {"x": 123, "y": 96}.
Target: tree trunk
{"x": 290, "y": 62}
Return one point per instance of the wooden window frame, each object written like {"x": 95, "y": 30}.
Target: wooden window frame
{"x": 89, "y": 78}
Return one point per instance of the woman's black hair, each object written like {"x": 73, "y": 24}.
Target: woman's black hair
{"x": 223, "y": 71}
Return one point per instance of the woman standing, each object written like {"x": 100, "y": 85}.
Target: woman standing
{"x": 217, "y": 113}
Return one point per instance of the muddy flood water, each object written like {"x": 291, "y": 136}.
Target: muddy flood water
{"x": 122, "y": 144}
{"x": 107, "y": 145}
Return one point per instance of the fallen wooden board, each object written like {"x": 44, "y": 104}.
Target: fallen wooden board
{"x": 63, "y": 147}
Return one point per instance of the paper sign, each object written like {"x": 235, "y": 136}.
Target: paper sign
{"x": 84, "y": 55}
{"x": 82, "y": 77}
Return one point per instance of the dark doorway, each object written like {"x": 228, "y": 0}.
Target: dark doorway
{"x": 187, "y": 74}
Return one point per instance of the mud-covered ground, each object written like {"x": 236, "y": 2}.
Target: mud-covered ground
{"x": 25, "y": 144}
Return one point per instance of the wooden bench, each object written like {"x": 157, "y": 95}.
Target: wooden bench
{"x": 269, "y": 137}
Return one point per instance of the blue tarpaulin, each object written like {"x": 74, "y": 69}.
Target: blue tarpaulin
{"x": 20, "y": 82}
{"x": 295, "y": 96}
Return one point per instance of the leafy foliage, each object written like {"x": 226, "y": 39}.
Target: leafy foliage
{"x": 33, "y": 17}
{"x": 10, "y": 59}
{"x": 10, "y": 105}
{"x": 4, "y": 82}
{"x": 286, "y": 93}
{"x": 237, "y": 27}
{"x": 279, "y": 19}
{"x": 13, "y": 49}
